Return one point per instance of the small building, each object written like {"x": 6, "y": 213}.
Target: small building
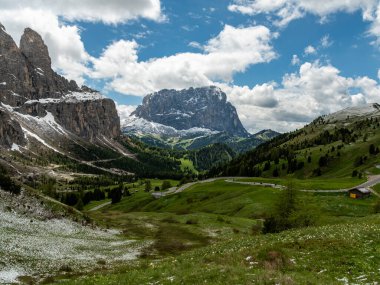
{"x": 359, "y": 193}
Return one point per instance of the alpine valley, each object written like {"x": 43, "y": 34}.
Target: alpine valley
{"x": 179, "y": 192}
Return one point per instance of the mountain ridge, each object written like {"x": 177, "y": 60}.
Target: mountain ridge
{"x": 30, "y": 87}
{"x": 204, "y": 107}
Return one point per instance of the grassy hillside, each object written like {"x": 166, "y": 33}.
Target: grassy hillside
{"x": 330, "y": 150}
{"x": 334, "y": 254}
{"x": 216, "y": 226}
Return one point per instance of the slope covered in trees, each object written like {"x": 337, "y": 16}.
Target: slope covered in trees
{"x": 339, "y": 149}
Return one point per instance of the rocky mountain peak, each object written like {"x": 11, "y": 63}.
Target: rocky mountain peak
{"x": 204, "y": 107}
{"x": 35, "y": 98}
{"x": 35, "y": 50}
{"x": 26, "y": 73}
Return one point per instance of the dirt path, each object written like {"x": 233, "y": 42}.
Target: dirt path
{"x": 100, "y": 206}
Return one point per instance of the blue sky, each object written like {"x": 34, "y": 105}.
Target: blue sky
{"x": 188, "y": 21}
{"x": 289, "y": 61}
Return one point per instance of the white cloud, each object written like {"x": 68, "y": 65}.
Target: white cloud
{"x": 295, "y": 60}
{"x": 196, "y": 45}
{"x": 64, "y": 42}
{"x": 310, "y": 50}
{"x": 232, "y": 51}
{"x": 124, "y": 112}
{"x": 63, "y": 39}
{"x": 375, "y": 26}
{"x": 302, "y": 96}
{"x": 286, "y": 11}
{"x": 109, "y": 12}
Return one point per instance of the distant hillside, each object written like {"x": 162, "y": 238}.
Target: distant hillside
{"x": 342, "y": 144}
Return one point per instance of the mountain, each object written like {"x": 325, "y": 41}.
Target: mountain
{"x": 50, "y": 126}
{"x": 191, "y": 119}
{"x": 340, "y": 145}
{"x": 354, "y": 113}
{"x": 32, "y": 93}
{"x": 205, "y": 108}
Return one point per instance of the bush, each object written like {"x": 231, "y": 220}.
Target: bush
{"x": 376, "y": 208}
{"x": 79, "y": 205}
{"x": 148, "y": 186}
{"x": 116, "y": 195}
{"x": 191, "y": 222}
{"x": 166, "y": 185}
{"x": 291, "y": 212}
{"x": 7, "y": 184}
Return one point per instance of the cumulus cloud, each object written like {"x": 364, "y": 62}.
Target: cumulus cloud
{"x": 66, "y": 48}
{"x": 286, "y": 11}
{"x": 301, "y": 97}
{"x": 109, "y": 12}
{"x": 232, "y": 51}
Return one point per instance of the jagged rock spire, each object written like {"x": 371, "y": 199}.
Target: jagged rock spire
{"x": 34, "y": 48}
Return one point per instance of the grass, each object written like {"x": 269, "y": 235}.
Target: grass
{"x": 140, "y": 184}
{"x": 341, "y": 161}
{"x": 376, "y": 188}
{"x": 218, "y": 197}
{"x": 334, "y": 254}
{"x": 94, "y": 204}
{"x": 210, "y": 234}
{"x": 312, "y": 184}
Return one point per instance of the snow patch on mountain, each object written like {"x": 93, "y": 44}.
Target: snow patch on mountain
{"x": 33, "y": 135}
{"x": 72, "y": 97}
{"x": 142, "y": 126}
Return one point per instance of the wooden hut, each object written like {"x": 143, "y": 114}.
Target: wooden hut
{"x": 359, "y": 193}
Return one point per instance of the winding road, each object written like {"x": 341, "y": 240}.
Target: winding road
{"x": 372, "y": 180}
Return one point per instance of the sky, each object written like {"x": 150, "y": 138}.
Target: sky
{"x": 282, "y": 63}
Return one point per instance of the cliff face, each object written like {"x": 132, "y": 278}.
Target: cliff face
{"x": 10, "y": 131}
{"x": 89, "y": 118}
{"x": 195, "y": 107}
{"x": 29, "y": 86}
{"x": 26, "y": 73}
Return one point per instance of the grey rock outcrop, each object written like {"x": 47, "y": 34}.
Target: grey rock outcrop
{"x": 29, "y": 85}
{"x": 87, "y": 119}
{"x": 26, "y": 73}
{"x": 10, "y": 131}
{"x": 205, "y": 107}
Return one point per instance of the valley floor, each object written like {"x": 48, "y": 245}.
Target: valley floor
{"x": 201, "y": 233}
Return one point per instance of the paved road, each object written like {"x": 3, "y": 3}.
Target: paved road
{"x": 373, "y": 180}
{"x": 176, "y": 190}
